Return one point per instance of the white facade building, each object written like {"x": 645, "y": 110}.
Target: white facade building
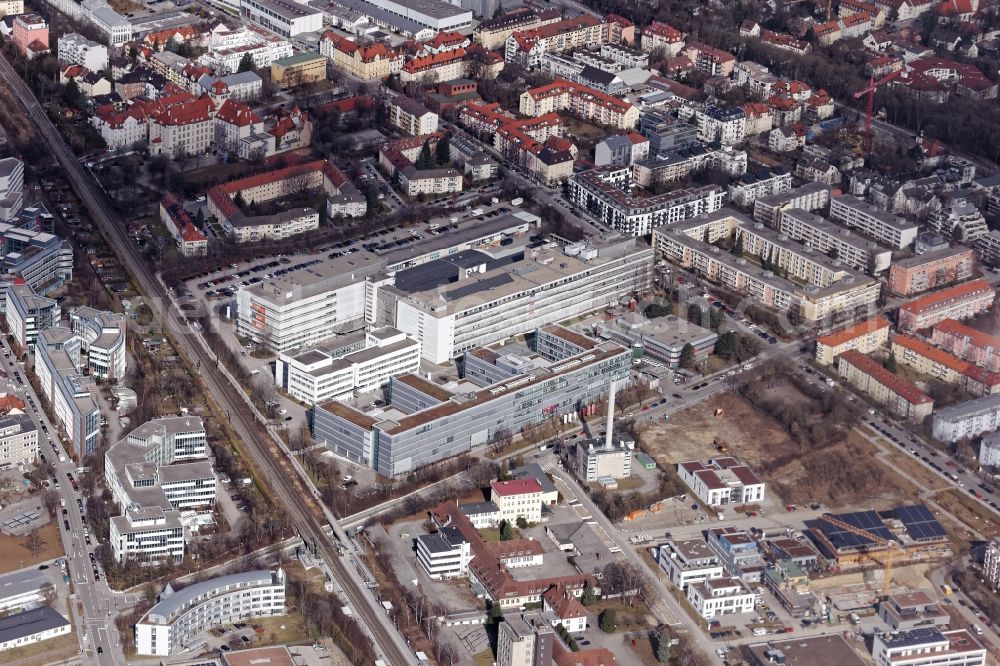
{"x": 11, "y": 188}
{"x": 18, "y": 443}
{"x": 821, "y": 234}
{"x": 689, "y": 562}
{"x": 928, "y": 646}
{"x": 520, "y": 498}
{"x": 75, "y": 49}
{"x": 721, "y": 596}
{"x": 33, "y": 626}
{"x": 721, "y": 482}
{"x": 991, "y": 563}
{"x": 989, "y": 450}
{"x": 604, "y": 460}
{"x": 967, "y": 419}
{"x": 23, "y": 589}
{"x": 226, "y": 48}
{"x": 319, "y": 375}
{"x": 884, "y": 227}
{"x": 285, "y": 18}
{"x": 103, "y": 341}
{"x": 147, "y": 535}
{"x": 180, "y": 616}
{"x": 444, "y": 554}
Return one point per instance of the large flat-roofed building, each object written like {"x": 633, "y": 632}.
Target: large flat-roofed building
{"x": 721, "y": 481}
{"x": 282, "y": 17}
{"x": 900, "y": 396}
{"x": 928, "y": 646}
{"x": 967, "y": 419}
{"x": 32, "y": 626}
{"x": 23, "y": 589}
{"x": 909, "y": 610}
{"x": 959, "y": 302}
{"x": 71, "y": 394}
{"x": 721, "y": 596}
{"x": 599, "y": 461}
{"x": 605, "y": 193}
{"x": 147, "y": 535}
{"x": 299, "y": 69}
{"x": 664, "y": 338}
{"x": 826, "y": 650}
{"x": 968, "y": 343}
{"x": 810, "y": 197}
{"x": 444, "y": 554}
{"x": 479, "y": 297}
{"x": 820, "y": 234}
{"x": 347, "y": 366}
{"x": 933, "y": 269}
{"x": 419, "y": 19}
{"x": 865, "y": 336}
{"x": 180, "y": 616}
{"x": 43, "y": 261}
{"x": 427, "y": 422}
{"x": 689, "y": 561}
{"x": 878, "y": 224}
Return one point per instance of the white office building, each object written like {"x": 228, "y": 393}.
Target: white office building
{"x": 116, "y": 28}
{"x": 11, "y": 188}
{"x": 18, "y": 442}
{"x": 28, "y": 314}
{"x": 347, "y": 366}
{"x": 147, "y": 536}
{"x": 282, "y": 17}
{"x": 444, "y": 554}
{"x": 226, "y": 48}
{"x": 71, "y": 394}
{"x": 689, "y": 562}
{"x": 102, "y": 341}
{"x": 884, "y": 227}
{"x": 928, "y": 646}
{"x": 75, "y": 49}
{"x": 721, "y": 482}
{"x": 611, "y": 459}
{"x": 721, "y": 596}
{"x": 181, "y": 616}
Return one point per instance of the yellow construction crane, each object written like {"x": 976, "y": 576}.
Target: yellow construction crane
{"x": 889, "y": 553}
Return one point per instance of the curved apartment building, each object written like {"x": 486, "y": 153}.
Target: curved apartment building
{"x": 181, "y": 616}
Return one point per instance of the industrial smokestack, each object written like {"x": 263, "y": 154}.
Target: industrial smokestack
{"x": 609, "y": 437}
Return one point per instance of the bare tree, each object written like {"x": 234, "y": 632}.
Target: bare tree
{"x": 34, "y": 542}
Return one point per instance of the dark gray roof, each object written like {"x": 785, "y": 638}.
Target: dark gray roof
{"x": 474, "y": 508}
{"x": 447, "y": 270}
{"x": 442, "y": 541}
{"x": 30, "y": 622}
{"x": 534, "y": 471}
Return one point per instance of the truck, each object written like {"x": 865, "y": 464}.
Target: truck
{"x": 516, "y": 201}
{"x": 477, "y": 212}
{"x": 494, "y": 201}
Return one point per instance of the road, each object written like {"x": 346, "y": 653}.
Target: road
{"x": 288, "y": 488}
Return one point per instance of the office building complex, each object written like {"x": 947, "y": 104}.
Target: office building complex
{"x": 180, "y": 616}
{"x": 663, "y": 339}
{"x": 967, "y": 419}
{"x": 157, "y": 471}
{"x": 282, "y": 17}
{"x": 900, "y": 396}
{"x": 11, "y": 188}
{"x": 968, "y": 343}
{"x": 865, "y": 337}
{"x": 959, "y": 302}
{"x": 605, "y": 193}
{"x": 886, "y": 228}
{"x": 71, "y": 394}
{"x": 28, "y": 314}
{"x": 42, "y": 260}
{"x": 931, "y": 270}
{"x": 102, "y": 342}
{"x": 426, "y": 421}
{"x": 348, "y": 366}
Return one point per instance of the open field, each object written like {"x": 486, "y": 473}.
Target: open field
{"x": 15, "y": 555}
{"x": 46, "y": 652}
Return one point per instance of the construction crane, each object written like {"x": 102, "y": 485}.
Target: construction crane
{"x": 890, "y": 545}
{"x": 870, "y": 107}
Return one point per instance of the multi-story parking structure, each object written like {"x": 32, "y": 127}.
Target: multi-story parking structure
{"x": 181, "y": 616}
{"x": 426, "y": 422}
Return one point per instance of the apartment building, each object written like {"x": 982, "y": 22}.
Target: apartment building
{"x": 961, "y": 217}
{"x": 30, "y": 35}
{"x": 370, "y": 62}
{"x": 75, "y": 49}
{"x": 527, "y": 47}
{"x": 898, "y": 395}
{"x": 967, "y": 419}
{"x": 350, "y": 365}
{"x": 721, "y": 482}
{"x": 282, "y": 17}
{"x": 991, "y": 563}
{"x": 761, "y": 183}
{"x": 181, "y": 616}
{"x": 727, "y": 126}
{"x": 605, "y": 193}
{"x": 928, "y": 646}
{"x": 865, "y": 337}
{"x": 721, "y": 596}
{"x": 226, "y": 48}
{"x": 659, "y": 35}
{"x": 968, "y": 343}
{"x": 581, "y": 101}
{"x": 518, "y": 498}
{"x": 709, "y": 60}
{"x": 784, "y": 254}
{"x": 931, "y": 270}
{"x": 824, "y": 236}
{"x": 886, "y": 228}
{"x": 810, "y": 197}
{"x": 815, "y": 305}
{"x": 102, "y": 342}
{"x": 942, "y": 366}
{"x": 676, "y": 165}
{"x": 959, "y": 302}
{"x": 18, "y": 443}
{"x": 689, "y": 562}
{"x": 28, "y": 314}
{"x": 70, "y": 394}
{"x": 11, "y": 7}
{"x": 190, "y": 240}
{"x": 411, "y": 116}
{"x": 426, "y": 422}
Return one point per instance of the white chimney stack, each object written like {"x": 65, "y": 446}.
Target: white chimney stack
{"x": 609, "y": 436}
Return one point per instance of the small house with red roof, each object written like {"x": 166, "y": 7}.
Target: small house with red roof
{"x": 190, "y": 241}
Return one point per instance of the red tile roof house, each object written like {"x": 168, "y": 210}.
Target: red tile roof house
{"x": 567, "y": 608}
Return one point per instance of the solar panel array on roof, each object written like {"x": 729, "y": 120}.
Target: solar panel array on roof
{"x": 920, "y": 524}
{"x": 866, "y": 520}
{"x": 913, "y": 637}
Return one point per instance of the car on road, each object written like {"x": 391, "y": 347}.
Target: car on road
{"x": 678, "y": 396}
{"x": 100, "y": 650}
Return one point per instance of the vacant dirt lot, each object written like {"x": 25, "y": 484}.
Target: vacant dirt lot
{"x": 14, "y": 554}
{"x": 796, "y": 473}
